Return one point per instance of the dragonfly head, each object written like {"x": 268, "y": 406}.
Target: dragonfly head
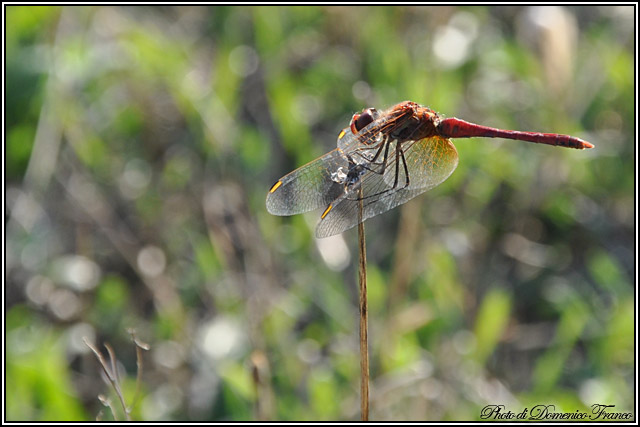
{"x": 360, "y": 120}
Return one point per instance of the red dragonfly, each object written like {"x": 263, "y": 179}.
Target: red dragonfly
{"x": 384, "y": 158}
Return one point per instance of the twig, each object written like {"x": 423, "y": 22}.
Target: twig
{"x": 257, "y": 361}
{"x": 106, "y": 402}
{"x": 139, "y": 347}
{"x": 111, "y": 372}
{"x": 116, "y": 383}
{"x": 364, "y": 311}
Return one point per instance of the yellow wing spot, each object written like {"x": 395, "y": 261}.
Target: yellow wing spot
{"x": 342, "y": 132}
{"x": 326, "y": 211}
{"x": 275, "y": 186}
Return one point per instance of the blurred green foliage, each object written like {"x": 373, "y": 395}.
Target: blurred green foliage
{"x": 140, "y": 144}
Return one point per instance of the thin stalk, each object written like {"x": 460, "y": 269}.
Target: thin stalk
{"x": 364, "y": 313}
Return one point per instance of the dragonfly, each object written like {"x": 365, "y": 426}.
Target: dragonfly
{"x": 384, "y": 159}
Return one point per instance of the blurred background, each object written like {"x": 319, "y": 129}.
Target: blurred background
{"x": 140, "y": 145}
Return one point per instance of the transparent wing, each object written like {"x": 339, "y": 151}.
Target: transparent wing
{"x": 429, "y": 162}
{"x": 307, "y": 188}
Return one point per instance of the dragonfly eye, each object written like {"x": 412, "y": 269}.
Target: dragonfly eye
{"x": 360, "y": 121}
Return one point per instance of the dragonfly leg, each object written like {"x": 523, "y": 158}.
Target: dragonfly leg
{"x": 383, "y": 164}
{"x": 399, "y": 157}
{"x": 406, "y": 169}
{"x": 383, "y": 144}
{"x": 385, "y": 158}
{"x": 398, "y": 151}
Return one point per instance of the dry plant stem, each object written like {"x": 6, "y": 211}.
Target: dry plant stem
{"x": 112, "y": 374}
{"x": 106, "y": 402}
{"x": 364, "y": 312}
{"x": 116, "y": 384}
{"x": 139, "y": 347}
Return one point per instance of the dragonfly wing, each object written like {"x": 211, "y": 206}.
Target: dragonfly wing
{"x": 429, "y": 162}
{"x": 344, "y": 213}
{"x": 307, "y": 188}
